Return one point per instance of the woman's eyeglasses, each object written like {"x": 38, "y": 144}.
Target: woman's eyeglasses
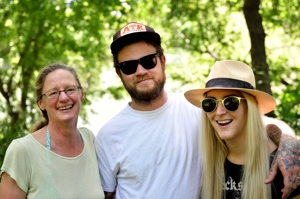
{"x": 129, "y": 67}
{"x": 231, "y": 103}
{"x": 69, "y": 91}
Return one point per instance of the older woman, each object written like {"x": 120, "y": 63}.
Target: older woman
{"x": 57, "y": 160}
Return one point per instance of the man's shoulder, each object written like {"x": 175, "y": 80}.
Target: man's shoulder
{"x": 180, "y": 100}
{"x": 113, "y": 124}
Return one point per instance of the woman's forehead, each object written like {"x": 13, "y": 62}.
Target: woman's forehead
{"x": 59, "y": 77}
{"x": 223, "y": 92}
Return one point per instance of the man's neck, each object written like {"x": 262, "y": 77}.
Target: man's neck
{"x": 153, "y": 105}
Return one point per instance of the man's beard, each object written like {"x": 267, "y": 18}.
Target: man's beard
{"x": 149, "y": 96}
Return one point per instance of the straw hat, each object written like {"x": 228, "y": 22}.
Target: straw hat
{"x": 232, "y": 75}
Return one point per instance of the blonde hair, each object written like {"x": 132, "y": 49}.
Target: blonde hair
{"x": 214, "y": 153}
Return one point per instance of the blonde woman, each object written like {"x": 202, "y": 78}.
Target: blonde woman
{"x": 235, "y": 147}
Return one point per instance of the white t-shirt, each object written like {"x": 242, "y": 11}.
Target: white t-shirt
{"x": 44, "y": 174}
{"x": 151, "y": 154}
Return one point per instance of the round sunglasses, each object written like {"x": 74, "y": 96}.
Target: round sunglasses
{"x": 231, "y": 103}
{"x": 129, "y": 67}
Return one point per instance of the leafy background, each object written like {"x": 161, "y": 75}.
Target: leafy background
{"x": 195, "y": 33}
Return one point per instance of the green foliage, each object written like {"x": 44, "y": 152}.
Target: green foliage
{"x": 36, "y": 33}
{"x": 286, "y": 81}
{"x": 10, "y": 130}
{"x": 283, "y": 13}
{"x": 289, "y": 107}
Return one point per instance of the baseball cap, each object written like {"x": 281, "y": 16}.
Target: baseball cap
{"x": 132, "y": 32}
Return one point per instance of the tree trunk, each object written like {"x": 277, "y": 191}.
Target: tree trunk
{"x": 258, "y": 52}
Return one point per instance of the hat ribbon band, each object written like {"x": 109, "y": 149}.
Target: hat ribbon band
{"x": 228, "y": 83}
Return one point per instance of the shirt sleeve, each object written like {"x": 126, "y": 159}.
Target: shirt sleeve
{"x": 107, "y": 164}
{"x": 17, "y": 164}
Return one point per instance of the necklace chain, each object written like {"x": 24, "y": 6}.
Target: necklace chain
{"x": 48, "y": 141}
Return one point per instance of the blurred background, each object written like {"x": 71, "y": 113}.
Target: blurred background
{"x": 195, "y": 33}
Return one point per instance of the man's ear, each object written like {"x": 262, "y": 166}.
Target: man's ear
{"x": 118, "y": 72}
{"x": 163, "y": 61}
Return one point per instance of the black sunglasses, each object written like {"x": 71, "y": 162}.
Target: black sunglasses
{"x": 129, "y": 67}
{"x": 231, "y": 103}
